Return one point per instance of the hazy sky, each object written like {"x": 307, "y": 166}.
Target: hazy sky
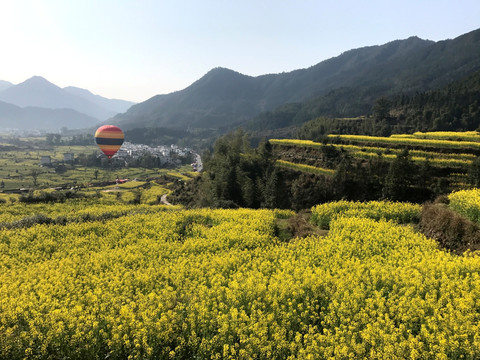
{"x": 135, "y": 49}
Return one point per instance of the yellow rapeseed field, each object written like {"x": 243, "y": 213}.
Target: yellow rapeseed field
{"x": 219, "y": 284}
{"x": 430, "y": 142}
{"x": 400, "y": 212}
{"x": 449, "y": 135}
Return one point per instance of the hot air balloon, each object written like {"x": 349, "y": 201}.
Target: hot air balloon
{"x": 109, "y": 139}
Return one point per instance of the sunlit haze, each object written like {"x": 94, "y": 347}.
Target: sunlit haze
{"x": 134, "y": 50}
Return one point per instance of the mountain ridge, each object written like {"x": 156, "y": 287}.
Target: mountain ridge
{"x": 224, "y": 98}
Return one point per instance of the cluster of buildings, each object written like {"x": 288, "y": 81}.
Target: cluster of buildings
{"x": 166, "y": 155}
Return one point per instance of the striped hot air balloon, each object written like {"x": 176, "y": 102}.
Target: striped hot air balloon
{"x": 109, "y": 139}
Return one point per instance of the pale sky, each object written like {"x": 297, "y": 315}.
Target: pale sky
{"x": 135, "y": 49}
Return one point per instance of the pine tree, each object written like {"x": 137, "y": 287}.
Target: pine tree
{"x": 399, "y": 177}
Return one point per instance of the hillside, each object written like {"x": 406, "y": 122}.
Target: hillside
{"x": 428, "y": 70}
{"x": 356, "y": 78}
{"x": 454, "y": 107}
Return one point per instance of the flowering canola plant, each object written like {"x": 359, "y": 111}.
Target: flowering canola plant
{"x": 401, "y": 212}
{"x": 219, "y": 284}
{"x": 466, "y": 203}
{"x": 448, "y": 135}
{"x": 433, "y": 143}
{"x": 72, "y": 210}
{"x": 305, "y": 168}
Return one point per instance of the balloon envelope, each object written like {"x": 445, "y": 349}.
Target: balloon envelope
{"x": 109, "y": 139}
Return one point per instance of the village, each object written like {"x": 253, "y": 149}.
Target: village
{"x": 134, "y": 155}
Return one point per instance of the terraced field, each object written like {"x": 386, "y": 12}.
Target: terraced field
{"x": 450, "y": 154}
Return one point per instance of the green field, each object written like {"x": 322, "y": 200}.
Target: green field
{"x": 20, "y": 169}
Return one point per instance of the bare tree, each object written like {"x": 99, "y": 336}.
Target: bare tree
{"x": 34, "y": 173}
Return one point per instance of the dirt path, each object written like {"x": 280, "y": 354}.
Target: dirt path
{"x": 164, "y": 200}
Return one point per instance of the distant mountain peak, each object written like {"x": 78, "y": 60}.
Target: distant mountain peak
{"x": 38, "y": 83}
{"x": 416, "y": 39}
{"x": 37, "y": 79}
{"x": 220, "y": 69}
{"x": 41, "y": 93}
{"x": 222, "y": 72}
{"x": 221, "y": 75}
